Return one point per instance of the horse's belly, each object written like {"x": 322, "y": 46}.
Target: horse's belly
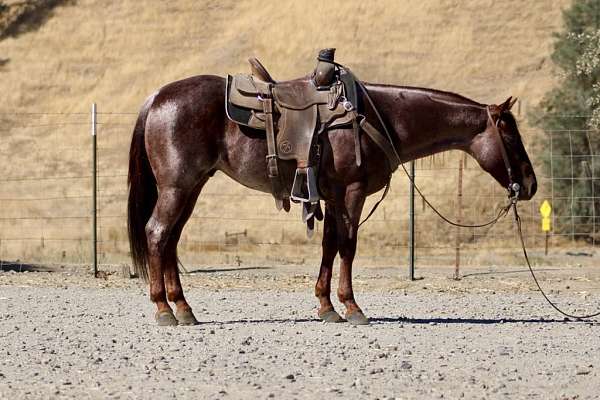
{"x": 243, "y": 158}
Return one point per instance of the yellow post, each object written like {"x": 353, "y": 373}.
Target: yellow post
{"x": 546, "y": 210}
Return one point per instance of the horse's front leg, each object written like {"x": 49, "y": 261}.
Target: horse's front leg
{"x": 347, "y": 218}
{"x": 330, "y": 248}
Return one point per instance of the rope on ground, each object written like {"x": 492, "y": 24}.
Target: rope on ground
{"x": 566, "y": 314}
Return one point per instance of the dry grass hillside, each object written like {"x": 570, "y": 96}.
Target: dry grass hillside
{"x": 116, "y": 53}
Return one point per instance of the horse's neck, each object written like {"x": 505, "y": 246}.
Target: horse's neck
{"x": 424, "y": 121}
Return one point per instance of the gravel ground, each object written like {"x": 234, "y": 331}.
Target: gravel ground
{"x": 67, "y": 335}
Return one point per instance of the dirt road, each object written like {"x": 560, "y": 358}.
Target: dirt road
{"x": 67, "y": 335}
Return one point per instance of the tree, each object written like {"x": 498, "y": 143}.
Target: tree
{"x": 588, "y": 66}
{"x": 570, "y": 117}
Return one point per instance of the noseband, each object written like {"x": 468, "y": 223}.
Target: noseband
{"x": 513, "y": 187}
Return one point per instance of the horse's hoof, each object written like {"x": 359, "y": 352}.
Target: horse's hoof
{"x": 165, "y": 318}
{"x": 331, "y": 316}
{"x": 186, "y": 317}
{"x": 357, "y": 318}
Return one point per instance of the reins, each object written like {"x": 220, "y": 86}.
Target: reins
{"x": 513, "y": 195}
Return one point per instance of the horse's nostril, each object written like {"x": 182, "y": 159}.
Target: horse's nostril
{"x": 532, "y": 188}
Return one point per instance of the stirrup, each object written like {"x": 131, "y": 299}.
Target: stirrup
{"x": 304, "y": 188}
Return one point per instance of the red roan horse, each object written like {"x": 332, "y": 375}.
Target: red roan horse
{"x": 183, "y": 136}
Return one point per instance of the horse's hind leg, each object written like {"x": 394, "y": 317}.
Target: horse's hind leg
{"x": 330, "y": 248}
{"x": 184, "y": 313}
{"x": 169, "y": 207}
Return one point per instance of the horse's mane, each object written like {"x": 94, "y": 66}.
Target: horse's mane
{"x": 436, "y": 95}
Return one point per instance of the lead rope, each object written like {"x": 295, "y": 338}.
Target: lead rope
{"x": 502, "y": 213}
{"x": 520, "y": 231}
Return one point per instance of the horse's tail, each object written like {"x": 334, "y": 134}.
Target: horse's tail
{"x": 142, "y": 194}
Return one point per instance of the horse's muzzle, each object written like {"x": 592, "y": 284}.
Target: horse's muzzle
{"x": 528, "y": 188}
{"x": 528, "y": 182}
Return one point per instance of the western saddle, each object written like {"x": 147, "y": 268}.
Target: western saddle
{"x": 293, "y": 114}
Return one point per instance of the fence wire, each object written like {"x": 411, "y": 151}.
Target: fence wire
{"x": 46, "y": 198}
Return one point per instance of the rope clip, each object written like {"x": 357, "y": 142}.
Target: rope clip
{"x": 513, "y": 192}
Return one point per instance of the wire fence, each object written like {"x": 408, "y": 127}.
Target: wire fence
{"x": 46, "y": 200}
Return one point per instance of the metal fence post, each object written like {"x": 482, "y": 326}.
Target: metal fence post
{"x": 458, "y": 217}
{"x": 411, "y": 225}
{"x": 94, "y": 191}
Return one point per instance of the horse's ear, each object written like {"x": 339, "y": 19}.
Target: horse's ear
{"x": 508, "y": 104}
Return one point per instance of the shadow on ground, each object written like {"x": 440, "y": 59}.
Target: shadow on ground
{"x": 216, "y": 270}
{"x": 22, "y": 267}
{"x": 518, "y": 271}
{"x": 406, "y": 320}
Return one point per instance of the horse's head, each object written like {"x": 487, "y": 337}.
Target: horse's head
{"x": 502, "y": 130}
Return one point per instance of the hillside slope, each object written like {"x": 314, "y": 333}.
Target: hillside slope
{"x": 116, "y": 53}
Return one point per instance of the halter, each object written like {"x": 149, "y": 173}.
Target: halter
{"x": 513, "y": 187}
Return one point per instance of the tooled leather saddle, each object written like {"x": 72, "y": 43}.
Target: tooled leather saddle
{"x": 293, "y": 114}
